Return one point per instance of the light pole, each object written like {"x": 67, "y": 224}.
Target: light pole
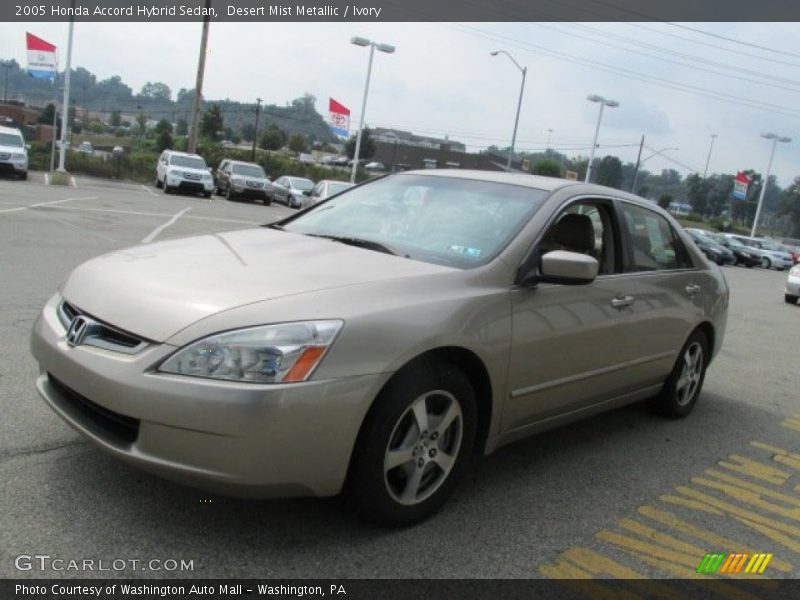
{"x": 549, "y": 133}
{"x": 359, "y": 41}
{"x": 524, "y": 71}
{"x": 6, "y": 66}
{"x": 255, "y": 133}
{"x": 639, "y": 162}
{"x": 603, "y": 103}
{"x": 775, "y": 139}
{"x": 708, "y": 159}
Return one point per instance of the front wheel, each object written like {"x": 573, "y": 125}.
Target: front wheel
{"x": 166, "y": 188}
{"x": 158, "y": 182}
{"x": 682, "y": 387}
{"x": 790, "y": 299}
{"x": 766, "y": 263}
{"x": 414, "y": 445}
{"x": 228, "y": 194}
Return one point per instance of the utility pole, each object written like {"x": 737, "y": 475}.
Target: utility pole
{"x": 191, "y": 144}
{"x": 6, "y": 66}
{"x": 255, "y": 131}
{"x": 708, "y": 159}
{"x": 636, "y": 170}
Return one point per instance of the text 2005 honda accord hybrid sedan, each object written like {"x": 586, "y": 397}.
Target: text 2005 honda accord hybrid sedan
{"x": 375, "y": 342}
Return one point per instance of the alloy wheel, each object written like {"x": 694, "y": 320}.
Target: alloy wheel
{"x": 691, "y": 374}
{"x": 423, "y": 447}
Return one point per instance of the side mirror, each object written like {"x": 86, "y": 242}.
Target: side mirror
{"x": 307, "y": 193}
{"x": 567, "y": 268}
{"x": 27, "y": 146}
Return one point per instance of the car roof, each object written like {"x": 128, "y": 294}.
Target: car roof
{"x": 177, "y": 152}
{"x": 242, "y": 162}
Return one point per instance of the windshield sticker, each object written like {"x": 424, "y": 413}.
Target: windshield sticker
{"x": 470, "y": 252}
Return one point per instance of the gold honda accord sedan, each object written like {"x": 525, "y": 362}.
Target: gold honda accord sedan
{"x": 375, "y": 343}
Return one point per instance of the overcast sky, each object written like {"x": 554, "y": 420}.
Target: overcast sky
{"x": 443, "y": 81}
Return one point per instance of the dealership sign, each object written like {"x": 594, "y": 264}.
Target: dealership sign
{"x": 740, "y": 184}
{"x": 338, "y": 118}
{"x": 41, "y": 58}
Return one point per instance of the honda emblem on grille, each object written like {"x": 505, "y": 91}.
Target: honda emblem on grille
{"x": 77, "y": 330}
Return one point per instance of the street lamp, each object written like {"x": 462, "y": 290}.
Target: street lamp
{"x": 359, "y": 41}
{"x": 708, "y": 159}
{"x": 603, "y": 103}
{"x": 639, "y": 162}
{"x": 255, "y": 132}
{"x": 524, "y": 71}
{"x": 775, "y": 139}
{"x": 549, "y": 134}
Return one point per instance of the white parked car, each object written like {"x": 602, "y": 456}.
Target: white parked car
{"x": 13, "y": 153}
{"x": 86, "y": 148}
{"x": 793, "y": 285}
{"x": 179, "y": 171}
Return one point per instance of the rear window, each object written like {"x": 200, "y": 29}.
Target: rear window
{"x": 655, "y": 244}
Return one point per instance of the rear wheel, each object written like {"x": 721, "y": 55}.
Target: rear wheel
{"x": 414, "y": 445}
{"x": 790, "y": 299}
{"x": 682, "y": 387}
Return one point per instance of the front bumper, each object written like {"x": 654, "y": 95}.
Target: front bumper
{"x": 200, "y": 185}
{"x": 17, "y": 167}
{"x": 250, "y": 192}
{"x": 240, "y": 439}
{"x": 793, "y": 286}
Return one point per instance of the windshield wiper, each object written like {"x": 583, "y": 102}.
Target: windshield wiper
{"x": 276, "y": 225}
{"x": 361, "y": 243}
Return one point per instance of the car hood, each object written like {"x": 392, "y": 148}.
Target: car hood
{"x": 188, "y": 170}
{"x": 12, "y": 149}
{"x": 156, "y": 290}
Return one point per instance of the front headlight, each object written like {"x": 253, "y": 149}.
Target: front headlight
{"x": 18, "y": 157}
{"x": 795, "y": 271}
{"x": 288, "y": 352}
{"x": 207, "y": 176}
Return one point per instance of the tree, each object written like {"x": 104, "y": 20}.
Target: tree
{"x": 697, "y": 190}
{"x": 182, "y": 127}
{"x": 212, "y": 123}
{"x": 248, "y": 132}
{"x": 609, "y": 172}
{"x": 48, "y": 114}
{"x": 116, "y": 118}
{"x": 547, "y": 167}
{"x": 273, "y": 138}
{"x": 297, "y": 143}
{"x": 664, "y": 200}
{"x": 163, "y": 135}
{"x": 790, "y": 207}
{"x": 156, "y": 91}
{"x": 367, "y": 149}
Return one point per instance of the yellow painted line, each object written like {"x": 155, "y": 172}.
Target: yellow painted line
{"x": 637, "y": 547}
{"x": 686, "y": 503}
{"x": 774, "y": 535}
{"x": 789, "y": 424}
{"x": 712, "y": 539}
{"x": 598, "y": 564}
{"x": 779, "y": 455}
{"x": 748, "y": 497}
{"x": 754, "y": 487}
{"x": 662, "y": 538}
{"x": 564, "y": 570}
{"x": 755, "y": 469}
{"x": 740, "y": 512}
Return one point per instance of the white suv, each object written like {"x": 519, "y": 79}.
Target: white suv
{"x": 13, "y": 153}
{"x": 179, "y": 171}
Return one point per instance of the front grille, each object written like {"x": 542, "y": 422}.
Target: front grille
{"x": 255, "y": 184}
{"x": 122, "y": 427}
{"x": 190, "y": 185}
{"x": 192, "y": 176}
{"x": 102, "y": 335}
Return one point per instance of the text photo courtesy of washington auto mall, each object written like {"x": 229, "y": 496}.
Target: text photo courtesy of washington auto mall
{"x": 389, "y": 299}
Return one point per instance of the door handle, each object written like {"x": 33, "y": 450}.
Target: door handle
{"x": 692, "y": 289}
{"x": 621, "y": 301}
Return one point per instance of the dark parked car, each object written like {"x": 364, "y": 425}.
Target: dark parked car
{"x": 742, "y": 255}
{"x": 715, "y": 252}
{"x": 237, "y": 179}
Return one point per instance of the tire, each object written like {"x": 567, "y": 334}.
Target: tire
{"x": 789, "y": 299}
{"x": 290, "y": 202}
{"x": 206, "y": 194}
{"x": 158, "y": 183}
{"x": 267, "y": 201}
{"x": 766, "y": 263}
{"x": 229, "y": 194}
{"x": 167, "y": 189}
{"x": 24, "y": 176}
{"x": 682, "y": 387}
{"x": 407, "y": 492}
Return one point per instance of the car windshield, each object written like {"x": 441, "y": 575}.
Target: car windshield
{"x": 770, "y": 245}
{"x": 442, "y": 220}
{"x": 9, "y": 139}
{"x": 249, "y": 171}
{"x": 190, "y": 162}
{"x": 301, "y": 184}
{"x": 336, "y": 187}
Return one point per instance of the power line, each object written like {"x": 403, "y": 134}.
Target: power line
{"x": 734, "y": 41}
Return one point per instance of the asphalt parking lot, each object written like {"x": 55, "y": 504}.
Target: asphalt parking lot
{"x": 625, "y": 494}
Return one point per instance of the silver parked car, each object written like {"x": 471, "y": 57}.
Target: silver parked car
{"x": 327, "y": 187}
{"x": 292, "y": 191}
{"x": 375, "y": 342}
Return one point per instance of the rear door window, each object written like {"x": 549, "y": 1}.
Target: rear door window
{"x": 654, "y": 244}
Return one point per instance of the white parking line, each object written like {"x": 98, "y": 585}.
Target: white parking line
{"x": 139, "y": 213}
{"x": 73, "y": 181}
{"x": 38, "y": 204}
{"x": 162, "y": 227}
{"x": 47, "y": 178}
{"x": 148, "y": 190}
